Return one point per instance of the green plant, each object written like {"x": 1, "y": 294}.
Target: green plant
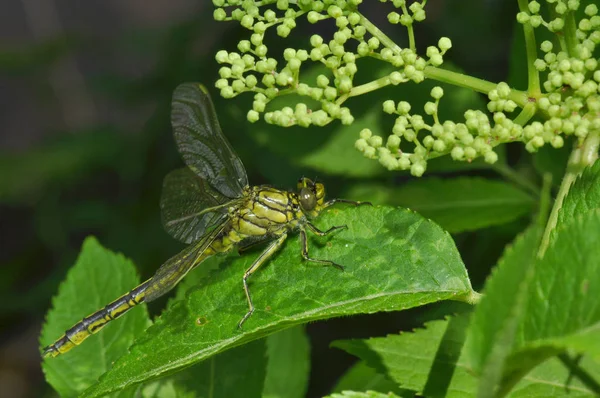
{"x": 534, "y": 332}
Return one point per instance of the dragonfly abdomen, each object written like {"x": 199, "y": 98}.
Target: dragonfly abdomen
{"x": 93, "y": 323}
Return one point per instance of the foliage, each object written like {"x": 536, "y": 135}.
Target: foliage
{"x": 533, "y": 332}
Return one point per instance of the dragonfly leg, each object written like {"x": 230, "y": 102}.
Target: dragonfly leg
{"x": 318, "y": 232}
{"x": 305, "y": 255}
{"x": 264, "y": 256}
{"x": 351, "y": 202}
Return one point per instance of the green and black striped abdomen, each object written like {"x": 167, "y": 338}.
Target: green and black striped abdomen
{"x": 95, "y": 322}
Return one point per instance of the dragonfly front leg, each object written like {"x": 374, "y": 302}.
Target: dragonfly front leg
{"x": 264, "y": 256}
{"x": 304, "y": 241}
{"x": 318, "y": 232}
{"x": 350, "y": 202}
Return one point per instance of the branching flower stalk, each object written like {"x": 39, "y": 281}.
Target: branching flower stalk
{"x": 561, "y": 98}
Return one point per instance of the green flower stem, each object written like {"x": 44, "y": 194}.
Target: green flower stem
{"x": 583, "y": 155}
{"x": 526, "y": 114}
{"x": 371, "y": 86}
{"x": 569, "y": 33}
{"x": 411, "y": 31}
{"x": 473, "y": 83}
{"x": 533, "y": 76}
{"x": 376, "y": 32}
{"x": 442, "y": 75}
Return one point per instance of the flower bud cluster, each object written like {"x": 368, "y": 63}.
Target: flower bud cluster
{"x": 414, "y": 142}
{"x": 571, "y": 79}
{"x": 252, "y": 69}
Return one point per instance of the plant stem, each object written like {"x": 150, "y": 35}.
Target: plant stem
{"x": 533, "y": 76}
{"x": 473, "y": 83}
{"x": 376, "y": 32}
{"x": 443, "y": 75}
{"x": 526, "y": 114}
{"x": 583, "y": 155}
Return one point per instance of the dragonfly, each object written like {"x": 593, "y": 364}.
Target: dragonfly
{"x": 210, "y": 206}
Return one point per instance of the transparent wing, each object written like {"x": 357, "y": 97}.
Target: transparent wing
{"x": 201, "y": 142}
{"x": 190, "y": 206}
{"x": 176, "y": 268}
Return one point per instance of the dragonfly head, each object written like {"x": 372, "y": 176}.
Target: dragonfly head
{"x": 311, "y": 195}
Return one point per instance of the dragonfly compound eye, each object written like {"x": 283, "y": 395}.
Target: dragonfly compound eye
{"x": 308, "y": 200}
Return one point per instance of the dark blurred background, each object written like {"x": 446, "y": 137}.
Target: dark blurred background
{"x": 85, "y": 143}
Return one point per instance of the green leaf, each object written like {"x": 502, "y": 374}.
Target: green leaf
{"x": 562, "y": 312}
{"x": 496, "y": 318}
{"x": 288, "y": 352}
{"x": 458, "y": 204}
{"x": 394, "y": 260}
{"x": 98, "y": 277}
{"x": 239, "y": 372}
{"x": 357, "y": 394}
{"x": 531, "y": 314}
{"x": 361, "y": 377}
{"x": 584, "y": 195}
{"x": 426, "y": 360}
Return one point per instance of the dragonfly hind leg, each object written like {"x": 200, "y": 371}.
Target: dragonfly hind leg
{"x": 304, "y": 242}
{"x": 264, "y": 256}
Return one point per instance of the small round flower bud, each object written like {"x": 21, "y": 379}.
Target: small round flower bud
{"x": 251, "y": 81}
{"x": 417, "y": 169}
{"x": 361, "y": 144}
{"x": 430, "y": 108}
{"x": 490, "y": 157}
{"x": 389, "y": 106}
{"x": 366, "y": 134}
{"x": 393, "y": 17}
{"x": 375, "y": 141}
{"x": 395, "y": 78}
{"x": 330, "y": 93}
{"x": 445, "y": 44}
{"x": 322, "y": 81}
{"x": 227, "y": 92}
{"x": 247, "y": 21}
{"x": 457, "y": 153}
{"x": 403, "y": 107}
{"x": 404, "y": 163}
{"x": 363, "y": 49}
{"x": 535, "y": 20}
{"x": 252, "y": 116}
{"x": 470, "y": 152}
{"x": 219, "y": 14}
{"x": 261, "y": 50}
{"x": 369, "y": 152}
{"x": 393, "y": 142}
{"x": 221, "y": 83}
{"x": 439, "y": 146}
{"x": 437, "y": 92}
{"x": 222, "y": 56}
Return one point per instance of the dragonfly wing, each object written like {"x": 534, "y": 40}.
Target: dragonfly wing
{"x": 201, "y": 142}
{"x": 176, "y": 268}
{"x": 186, "y": 204}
